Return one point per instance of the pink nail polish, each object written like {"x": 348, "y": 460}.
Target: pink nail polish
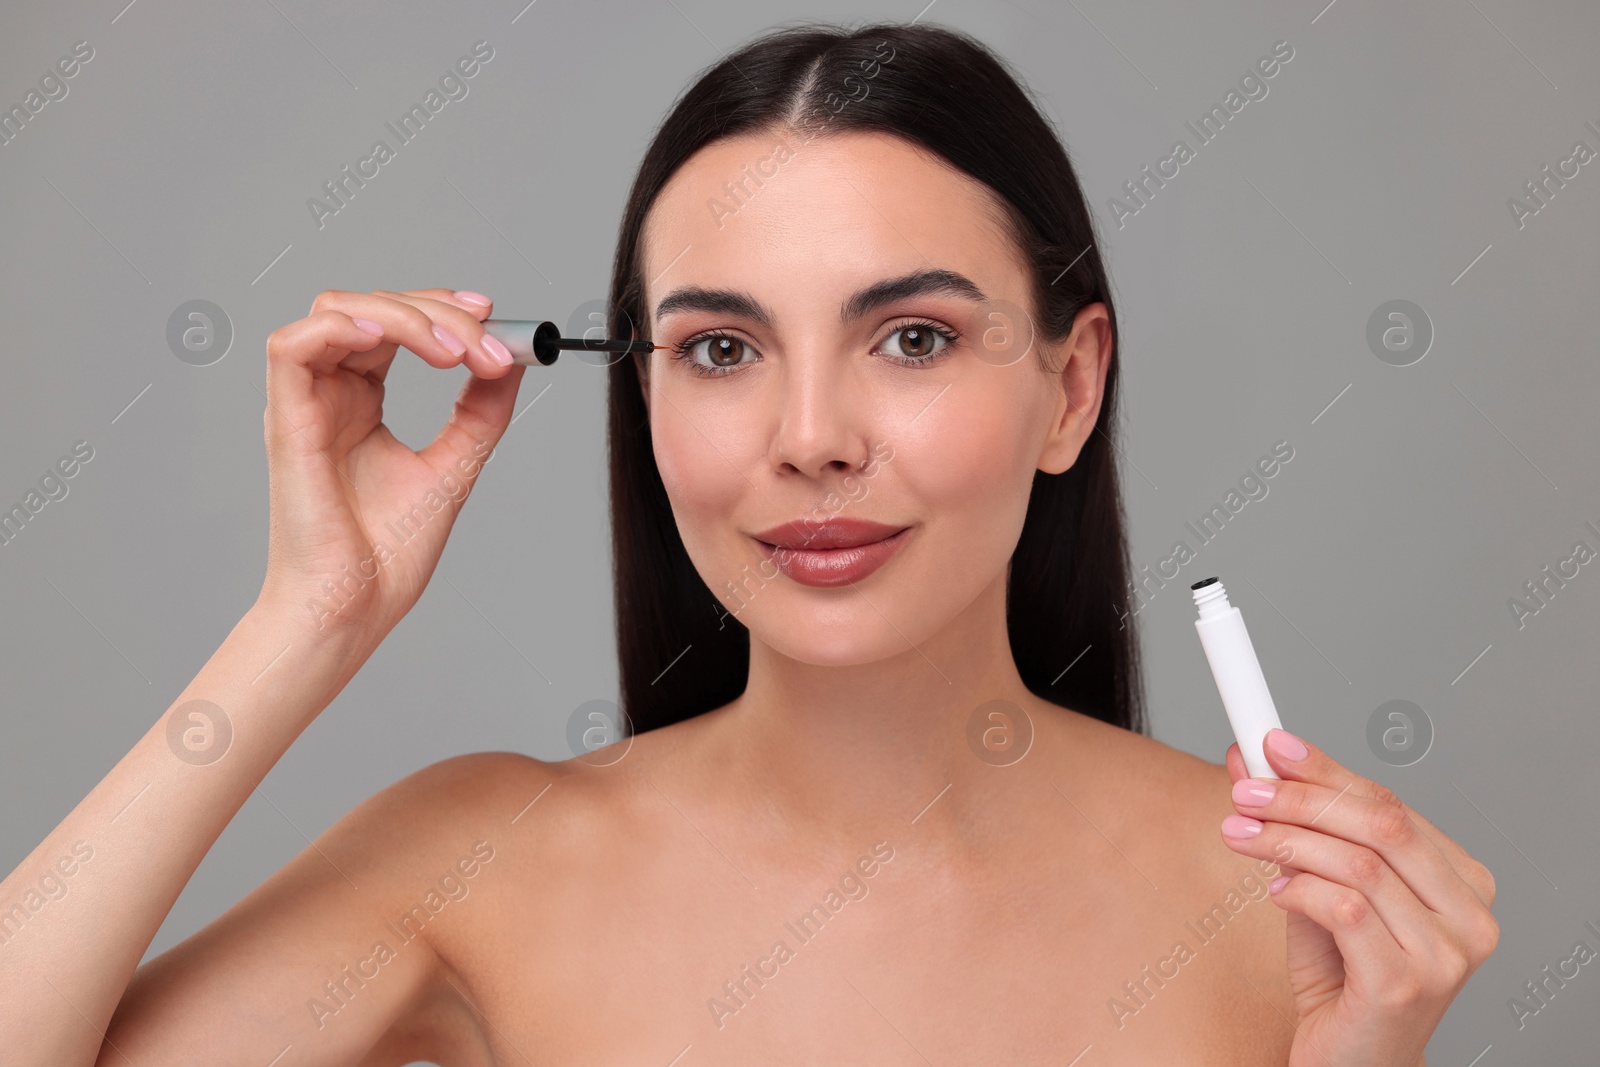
{"x": 376, "y": 329}
{"x": 497, "y": 351}
{"x": 1240, "y": 826}
{"x": 467, "y": 296}
{"x": 1287, "y": 745}
{"x": 449, "y": 340}
{"x": 1253, "y": 792}
{"x": 1277, "y": 883}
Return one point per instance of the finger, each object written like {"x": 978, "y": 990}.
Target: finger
{"x": 1385, "y": 828}
{"x": 466, "y": 299}
{"x": 318, "y": 344}
{"x": 1318, "y": 768}
{"x": 1374, "y": 961}
{"x": 483, "y": 354}
{"x": 403, "y": 323}
{"x": 1353, "y": 866}
{"x": 1234, "y": 760}
{"x": 1471, "y": 870}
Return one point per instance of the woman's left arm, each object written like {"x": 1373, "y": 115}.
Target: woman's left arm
{"x": 1388, "y": 917}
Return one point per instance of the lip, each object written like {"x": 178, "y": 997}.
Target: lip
{"x": 832, "y": 553}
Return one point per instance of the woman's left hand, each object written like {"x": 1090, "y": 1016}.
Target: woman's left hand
{"x": 1388, "y": 917}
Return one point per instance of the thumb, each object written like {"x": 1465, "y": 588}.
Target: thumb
{"x": 1235, "y": 763}
{"x": 478, "y": 419}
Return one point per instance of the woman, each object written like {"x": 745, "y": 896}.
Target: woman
{"x": 887, "y": 798}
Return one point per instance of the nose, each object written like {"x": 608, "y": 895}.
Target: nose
{"x": 820, "y": 418}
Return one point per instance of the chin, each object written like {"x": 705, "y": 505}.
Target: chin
{"x": 832, "y": 637}
{"x": 842, "y": 648}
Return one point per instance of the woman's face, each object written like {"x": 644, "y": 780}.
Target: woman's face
{"x": 829, "y": 402}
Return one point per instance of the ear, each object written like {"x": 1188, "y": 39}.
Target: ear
{"x": 1084, "y": 358}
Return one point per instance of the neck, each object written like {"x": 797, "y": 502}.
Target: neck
{"x": 840, "y": 753}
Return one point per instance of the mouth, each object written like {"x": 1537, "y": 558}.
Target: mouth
{"x": 834, "y": 553}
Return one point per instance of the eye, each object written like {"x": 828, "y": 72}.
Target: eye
{"x": 919, "y": 343}
{"x": 724, "y": 351}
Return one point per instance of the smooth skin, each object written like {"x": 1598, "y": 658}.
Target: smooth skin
{"x": 609, "y": 909}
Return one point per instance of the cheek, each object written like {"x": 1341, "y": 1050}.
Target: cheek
{"x": 702, "y": 483}
{"x": 971, "y": 469}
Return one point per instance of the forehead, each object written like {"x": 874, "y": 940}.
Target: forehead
{"x": 801, "y": 224}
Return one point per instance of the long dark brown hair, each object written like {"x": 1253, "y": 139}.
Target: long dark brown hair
{"x": 681, "y": 653}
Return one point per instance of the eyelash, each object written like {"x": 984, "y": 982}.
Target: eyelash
{"x": 682, "y": 349}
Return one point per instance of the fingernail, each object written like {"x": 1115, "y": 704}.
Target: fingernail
{"x": 449, "y": 340}
{"x": 1286, "y": 744}
{"x": 1253, "y": 792}
{"x": 376, "y": 329}
{"x": 467, "y": 296}
{"x": 1277, "y": 883}
{"x": 497, "y": 351}
{"x": 1240, "y": 826}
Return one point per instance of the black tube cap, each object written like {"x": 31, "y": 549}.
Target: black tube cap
{"x": 545, "y": 339}
{"x": 1203, "y": 582}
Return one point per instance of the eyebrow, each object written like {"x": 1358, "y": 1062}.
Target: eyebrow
{"x": 860, "y": 303}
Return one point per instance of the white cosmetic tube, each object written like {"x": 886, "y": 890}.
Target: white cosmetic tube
{"x": 1238, "y": 674}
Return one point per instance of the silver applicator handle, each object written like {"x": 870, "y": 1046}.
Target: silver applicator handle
{"x": 531, "y": 341}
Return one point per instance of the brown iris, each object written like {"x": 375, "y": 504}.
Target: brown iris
{"x": 725, "y": 351}
{"x": 916, "y": 341}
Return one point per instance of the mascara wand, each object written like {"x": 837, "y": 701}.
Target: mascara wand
{"x": 531, "y": 341}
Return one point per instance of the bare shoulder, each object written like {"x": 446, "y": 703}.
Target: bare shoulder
{"x": 449, "y": 859}
{"x": 448, "y": 805}
{"x": 1166, "y": 815}
{"x": 489, "y": 785}
{"x": 1173, "y": 790}
{"x": 391, "y": 888}
{"x": 1170, "y": 798}
{"x": 507, "y": 805}
{"x": 537, "y": 825}
{"x": 472, "y": 786}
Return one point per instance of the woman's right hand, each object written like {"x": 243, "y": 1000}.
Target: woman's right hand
{"x": 73, "y": 991}
{"x": 358, "y": 520}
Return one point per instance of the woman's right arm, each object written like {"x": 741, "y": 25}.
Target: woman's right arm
{"x": 79, "y": 912}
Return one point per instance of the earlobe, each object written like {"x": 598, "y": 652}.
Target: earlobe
{"x": 1062, "y": 445}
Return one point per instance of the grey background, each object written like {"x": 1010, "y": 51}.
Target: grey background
{"x": 1378, "y": 567}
